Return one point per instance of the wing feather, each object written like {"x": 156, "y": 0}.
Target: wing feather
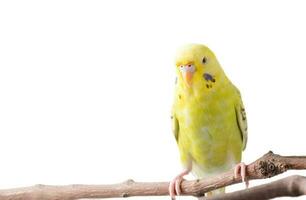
{"x": 175, "y": 127}
{"x": 241, "y": 120}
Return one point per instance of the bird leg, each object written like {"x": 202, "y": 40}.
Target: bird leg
{"x": 175, "y": 184}
{"x": 240, "y": 170}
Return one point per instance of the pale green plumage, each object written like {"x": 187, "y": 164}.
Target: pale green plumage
{"x": 208, "y": 117}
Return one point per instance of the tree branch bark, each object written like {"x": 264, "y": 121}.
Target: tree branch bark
{"x": 265, "y": 167}
{"x": 291, "y": 186}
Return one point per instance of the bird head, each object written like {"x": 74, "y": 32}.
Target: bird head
{"x": 195, "y": 63}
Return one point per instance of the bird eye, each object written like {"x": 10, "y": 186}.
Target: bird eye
{"x": 204, "y": 60}
{"x": 189, "y": 65}
{"x": 181, "y": 66}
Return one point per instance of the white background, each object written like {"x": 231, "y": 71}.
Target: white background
{"x": 86, "y": 87}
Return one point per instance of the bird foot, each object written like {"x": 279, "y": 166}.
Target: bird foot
{"x": 175, "y": 184}
{"x": 240, "y": 171}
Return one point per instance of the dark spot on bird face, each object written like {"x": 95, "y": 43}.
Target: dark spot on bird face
{"x": 209, "y": 80}
{"x": 209, "y": 77}
{"x": 179, "y": 96}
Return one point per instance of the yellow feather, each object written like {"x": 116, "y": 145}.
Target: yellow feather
{"x": 208, "y": 115}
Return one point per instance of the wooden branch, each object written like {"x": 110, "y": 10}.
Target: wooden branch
{"x": 291, "y": 186}
{"x": 267, "y": 166}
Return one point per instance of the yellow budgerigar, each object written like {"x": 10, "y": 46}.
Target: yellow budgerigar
{"x": 209, "y": 120}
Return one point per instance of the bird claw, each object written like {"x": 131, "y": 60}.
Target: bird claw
{"x": 175, "y": 187}
{"x": 240, "y": 171}
{"x": 175, "y": 184}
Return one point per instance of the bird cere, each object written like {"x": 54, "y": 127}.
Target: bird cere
{"x": 208, "y": 118}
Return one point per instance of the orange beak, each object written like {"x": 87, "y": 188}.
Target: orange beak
{"x": 188, "y": 77}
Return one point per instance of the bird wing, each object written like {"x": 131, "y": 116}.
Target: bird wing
{"x": 175, "y": 127}
{"x": 241, "y": 120}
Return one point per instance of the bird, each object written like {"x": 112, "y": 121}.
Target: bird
{"x": 208, "y": 118}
